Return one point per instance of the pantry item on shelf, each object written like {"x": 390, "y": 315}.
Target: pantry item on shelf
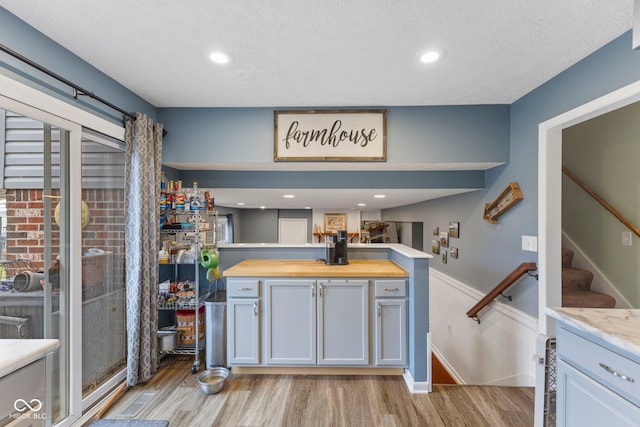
{"x": 167, "y": 340}
{"x": 212, "y": 380}
{"x": 195, "y": 198}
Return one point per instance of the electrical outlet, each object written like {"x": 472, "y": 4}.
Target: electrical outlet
{"x": 530, "y": 243}
{"x": 626, "y": 238}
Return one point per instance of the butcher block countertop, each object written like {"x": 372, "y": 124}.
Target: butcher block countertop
{"x": 312, "y": 268}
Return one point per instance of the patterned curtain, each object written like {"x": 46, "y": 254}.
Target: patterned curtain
{"x": 142, "y": 215}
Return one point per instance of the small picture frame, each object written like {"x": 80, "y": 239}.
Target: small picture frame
{"x": 444, "y": 239}
{"x": 435, "y": 246}
{"x": 335, "y": 222}
{"x": 435, "y": 230}
{"x": 454, "y": 229}
{"x": 453, "y": 252}
{"x": 444, "y": 257}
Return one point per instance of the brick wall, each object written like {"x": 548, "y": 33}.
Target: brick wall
{"x": 25, "y": 224}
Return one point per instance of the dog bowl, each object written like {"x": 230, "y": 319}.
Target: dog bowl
{"x": 212, "y": 380}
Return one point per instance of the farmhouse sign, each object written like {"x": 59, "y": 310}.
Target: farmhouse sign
{"x": 330, "y": 135}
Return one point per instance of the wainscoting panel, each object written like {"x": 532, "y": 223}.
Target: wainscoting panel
{"x": 498, "y": 351}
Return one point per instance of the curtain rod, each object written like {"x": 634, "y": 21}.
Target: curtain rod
{"x": 77, "y": 90}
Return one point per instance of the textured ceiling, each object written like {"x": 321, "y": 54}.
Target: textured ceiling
{"x": 331, "y": 52}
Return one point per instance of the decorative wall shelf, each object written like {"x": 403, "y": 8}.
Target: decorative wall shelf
{"x": 509, "y": 197}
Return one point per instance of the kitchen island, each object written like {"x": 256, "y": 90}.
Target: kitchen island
{"x": 288, "y": 310}
{"x": 598, "y": 366}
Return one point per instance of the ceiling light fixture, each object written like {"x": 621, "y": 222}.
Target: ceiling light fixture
{"x": 220, "y": 58}
{"x": 379, "y": 196}
{"x": 288, "y": 196}
{"x": 241, "y": 203}
{"x": 431, "y": 56}
{"x": 362, "y": 204}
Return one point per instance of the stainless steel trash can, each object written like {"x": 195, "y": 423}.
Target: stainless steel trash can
{"x": 216, "y": 329}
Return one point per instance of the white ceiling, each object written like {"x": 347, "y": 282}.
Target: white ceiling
{"x": 331, "y": 53}
{"x": 337, "y": 199}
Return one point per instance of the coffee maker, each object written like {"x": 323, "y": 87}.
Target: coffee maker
{"x": 336, "y": 249}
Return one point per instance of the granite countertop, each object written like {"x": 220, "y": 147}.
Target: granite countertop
{"x": 15, "y": 354}
{"x": 617, "y": 326}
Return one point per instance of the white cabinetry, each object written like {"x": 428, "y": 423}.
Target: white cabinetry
{"x": 390, "y": 322}
{"x": 243, "y": 322}
{"x": 598, "y": 384}
{"x": 316, "y": 321}
{"x": 290, "y": 322}
{"x": 343, "y": 322}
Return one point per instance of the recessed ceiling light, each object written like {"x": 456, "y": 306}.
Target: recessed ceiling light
{"x": 307, "y": 207}
{"x": 288, "y": 196}
{"x": 263, "y": 207}
{"x": 220, "y": 58}
{"x": 379, "y": 196}
{"x": 431, "y": 56}
{"x": 362, "y": 204}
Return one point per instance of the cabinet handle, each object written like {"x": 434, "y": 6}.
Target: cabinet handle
{"x": 244, "y": 289}
{"x": 391, "y": 289}
{"x": 320, "y": 290}
{"x": 313, "y": 290}
{"x": 616, "y": 374}
{"x": 255, "y": 308}
{"x": 379, "y": 310}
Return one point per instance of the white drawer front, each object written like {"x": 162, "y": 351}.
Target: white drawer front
{"x": 243, "y": 288}
{"x": 610, "y": 368}
{"x": 391, "y": 288}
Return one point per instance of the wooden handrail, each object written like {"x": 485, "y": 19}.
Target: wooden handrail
{"x": 602, "y": 201}
{"x": 522, "y": 269}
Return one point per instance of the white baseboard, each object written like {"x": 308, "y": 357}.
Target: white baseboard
{"x": 498, "y": 351}
{"x": 422, "y": 387}
{"x": 416, "y": 387}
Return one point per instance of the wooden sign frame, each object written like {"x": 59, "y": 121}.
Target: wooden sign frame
{"x": 330, "y": 135}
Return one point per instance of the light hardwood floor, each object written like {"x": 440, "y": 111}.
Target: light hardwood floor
{"x": 299, "y": 400}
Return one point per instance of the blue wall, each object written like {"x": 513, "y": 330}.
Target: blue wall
{"x": 25, "y": 40}
{"x": 487, "y": 253}
{"x": 444, "y": 134}
{"x": 439, "y": 134}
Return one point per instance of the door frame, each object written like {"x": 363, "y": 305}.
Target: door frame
{"x": 550, "y": 194}
{"x": 31, "y": 102}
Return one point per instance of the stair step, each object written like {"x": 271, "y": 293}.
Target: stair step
{"x": 567, "y": 258}
{"x": 576, "y": 279}
{"x": 584, "y": 299}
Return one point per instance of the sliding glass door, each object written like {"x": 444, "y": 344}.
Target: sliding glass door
{"x": 62, "y": 259}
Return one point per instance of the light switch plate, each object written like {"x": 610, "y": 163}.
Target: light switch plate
{"x": 626, "y": 238}
{"x": 530, "y": 243}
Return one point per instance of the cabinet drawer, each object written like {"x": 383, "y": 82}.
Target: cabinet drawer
{"x": 243, "y": 288}
{"x": 613, "y": 370}
{"x": 390, "y": 288}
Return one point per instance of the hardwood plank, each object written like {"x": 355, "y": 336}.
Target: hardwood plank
{"x": 323, "y": 400}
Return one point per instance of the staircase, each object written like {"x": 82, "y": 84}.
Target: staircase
{"x": 576, "y": 286}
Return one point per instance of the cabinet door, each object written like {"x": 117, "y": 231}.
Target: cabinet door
{"x": 391, "y": 332}
{"x": 343, "y": 322}
{"x": 243, "y": 331}
{"x": 585, "y": 402}
{"x": 290, "y": 322}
